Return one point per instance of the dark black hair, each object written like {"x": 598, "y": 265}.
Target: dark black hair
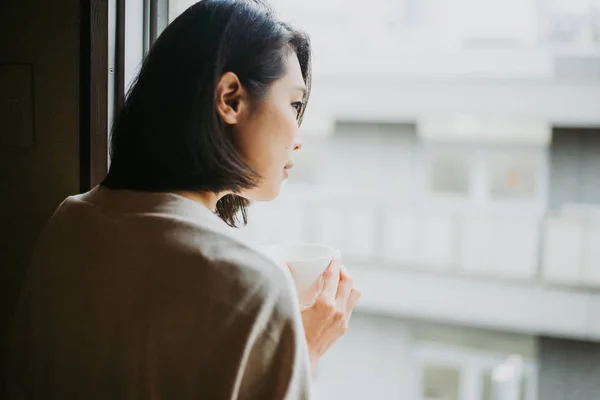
{"x": 168, "y": 135}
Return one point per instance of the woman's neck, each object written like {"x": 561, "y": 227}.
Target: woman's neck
{"x": 207, "y": 199}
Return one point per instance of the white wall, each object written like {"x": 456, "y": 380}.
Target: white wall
{"x": 374, "y": 97}
{"x": 379, "y": 358}
{"x": 370, "y": 362}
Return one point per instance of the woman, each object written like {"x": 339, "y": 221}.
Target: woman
{"x": 139, "y": 289}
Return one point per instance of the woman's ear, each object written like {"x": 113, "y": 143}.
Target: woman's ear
{"x": 230, "y": 98}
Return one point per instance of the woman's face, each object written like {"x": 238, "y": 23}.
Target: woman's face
{"x": 269, "y": 137}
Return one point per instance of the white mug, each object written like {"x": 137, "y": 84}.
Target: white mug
{"x": 307, "y": 262}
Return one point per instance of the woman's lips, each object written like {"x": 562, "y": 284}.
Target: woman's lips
{"x": 287, "y": 168}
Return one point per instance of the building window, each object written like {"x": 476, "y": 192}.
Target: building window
{"x": 487, "y": 176}
{"x": 441, "y": 382}
{"x": 449, "y": 174}
{"x": 513, "y": 177}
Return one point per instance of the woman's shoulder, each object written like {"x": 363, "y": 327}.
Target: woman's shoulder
{"x": 243, "y": 278}
{"x": 235, "y": 257}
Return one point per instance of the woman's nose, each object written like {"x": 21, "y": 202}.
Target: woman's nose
{"x": 298, "y": 143}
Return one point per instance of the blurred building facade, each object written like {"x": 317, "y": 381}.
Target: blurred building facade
{"x": 452, "y": 152}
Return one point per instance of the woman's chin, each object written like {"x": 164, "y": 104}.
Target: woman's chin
{"x": 273, "y": 193}
{"x": 266, "y": 194}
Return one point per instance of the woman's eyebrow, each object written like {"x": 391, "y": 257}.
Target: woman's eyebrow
{"x": 301, "y": 89}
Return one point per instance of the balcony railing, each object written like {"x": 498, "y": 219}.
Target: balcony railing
{"x": 555, "y": 248}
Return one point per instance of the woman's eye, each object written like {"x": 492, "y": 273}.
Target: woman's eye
{"x": 298, "y": 106}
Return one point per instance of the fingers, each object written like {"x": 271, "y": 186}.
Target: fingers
{"x": 352, "y": 300}
{"x": 309, "y": 296}
{"x": 344, "y": 287}
{"x": 331, "y": 278}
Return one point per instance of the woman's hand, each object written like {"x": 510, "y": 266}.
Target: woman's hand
{"x": 327, "y": 318}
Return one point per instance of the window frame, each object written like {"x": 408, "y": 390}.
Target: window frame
{"x": 93, "y": 93}
{"x": 479, "y": 196}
